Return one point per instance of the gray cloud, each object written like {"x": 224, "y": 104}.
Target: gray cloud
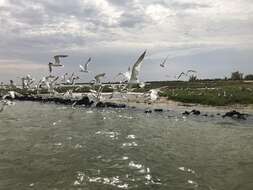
{"x": 114, "y": 32}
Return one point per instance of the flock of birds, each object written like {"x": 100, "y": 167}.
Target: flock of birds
{"x": 129, "y": 80}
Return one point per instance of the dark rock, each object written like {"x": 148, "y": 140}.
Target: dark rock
{"x": 100, "y": 105}
{"x": 110, "y": 105}
{"x": 114, "y": 105}
{"x": 158, "y": 110}
{"x": 195, "y": 112}
{"x": 186, "y": 113}
{"x": 84, "y": 101}
{"x": 148, "y": 111}
{"x": 205, "y": 115}
{"x": 235, "y": 115}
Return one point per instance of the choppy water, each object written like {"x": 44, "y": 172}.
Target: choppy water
{"x": 47, "y": 146}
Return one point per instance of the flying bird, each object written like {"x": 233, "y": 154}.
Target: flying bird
{"x": 134, "y": 78}
{"x": 85, "y": 67}
{"x": 181, "y": 74}
{"x": 163, "y": 62}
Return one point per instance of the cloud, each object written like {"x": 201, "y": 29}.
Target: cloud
{"x": 114, "y": 31}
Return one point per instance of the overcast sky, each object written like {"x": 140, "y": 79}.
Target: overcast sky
{"x": 214, "y": 37}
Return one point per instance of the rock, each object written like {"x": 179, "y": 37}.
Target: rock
{"x": 205, "y": 115}
{"x": 235, "y": 114}
{"x": 114, "y": 105}
{"x": 100, "y": 105}
{"x": 195, "y": 112}
{"x": 110, "y": 105}
{"x": 186, "y": 113}
{"x": 84, "y": 101}
{"x": 148, "y": 111}
{"x": 158, "y": 110}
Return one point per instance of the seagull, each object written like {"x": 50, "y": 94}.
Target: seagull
{"x": 57, "y": 62}
{"x": 85, "y": 67}
{"x": 134, "y": 78}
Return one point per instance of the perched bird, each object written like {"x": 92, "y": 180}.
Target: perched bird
{"x": 134, "y": 78}
{"x": 85, "y": 67}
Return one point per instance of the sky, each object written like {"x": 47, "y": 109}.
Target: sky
{"x": 214, "y": 37}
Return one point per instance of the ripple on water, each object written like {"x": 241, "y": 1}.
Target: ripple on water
{"x": 111, "y": 134}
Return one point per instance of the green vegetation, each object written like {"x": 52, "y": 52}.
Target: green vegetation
{"x": 217, "y": 93}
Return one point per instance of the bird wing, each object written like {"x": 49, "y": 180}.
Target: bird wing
{"x": 181, "y": 74}
{"x": 87, "y": 63}
{"x": 136, "y": 68}
{"x": 57, "y": 58}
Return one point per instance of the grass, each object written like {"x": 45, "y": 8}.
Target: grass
{"x": 217, "y": 94}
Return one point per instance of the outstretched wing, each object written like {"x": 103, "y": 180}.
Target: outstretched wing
{"x": 57, "y": 58}
{"x": 136, "y": 68}
{"x": 181, "y": 74}
{"x": 87, "y": 63}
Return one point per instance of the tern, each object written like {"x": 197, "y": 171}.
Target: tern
{"x": 85, "y": 67}
{"x": 163, "y": 62}
{"x": 57, "y": 62}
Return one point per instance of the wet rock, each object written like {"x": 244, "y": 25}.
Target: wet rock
{"x": 114, "y": 105}
{"x": 158, "y": 110}
{"x": 148, "y": 111}
{"x": 235, "y": 115}
{"x": 186, "y": 113}
{"x": 100, "y": 105}
{"x": 84, "y": 101}
{"x": 110, "y": 105}
{"x": 195, "y": 112}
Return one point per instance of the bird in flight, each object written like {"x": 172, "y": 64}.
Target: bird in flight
{"x": 85, "y": 67}
{"x": 134, "y": 78}
{"x": 56, "y": 63}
